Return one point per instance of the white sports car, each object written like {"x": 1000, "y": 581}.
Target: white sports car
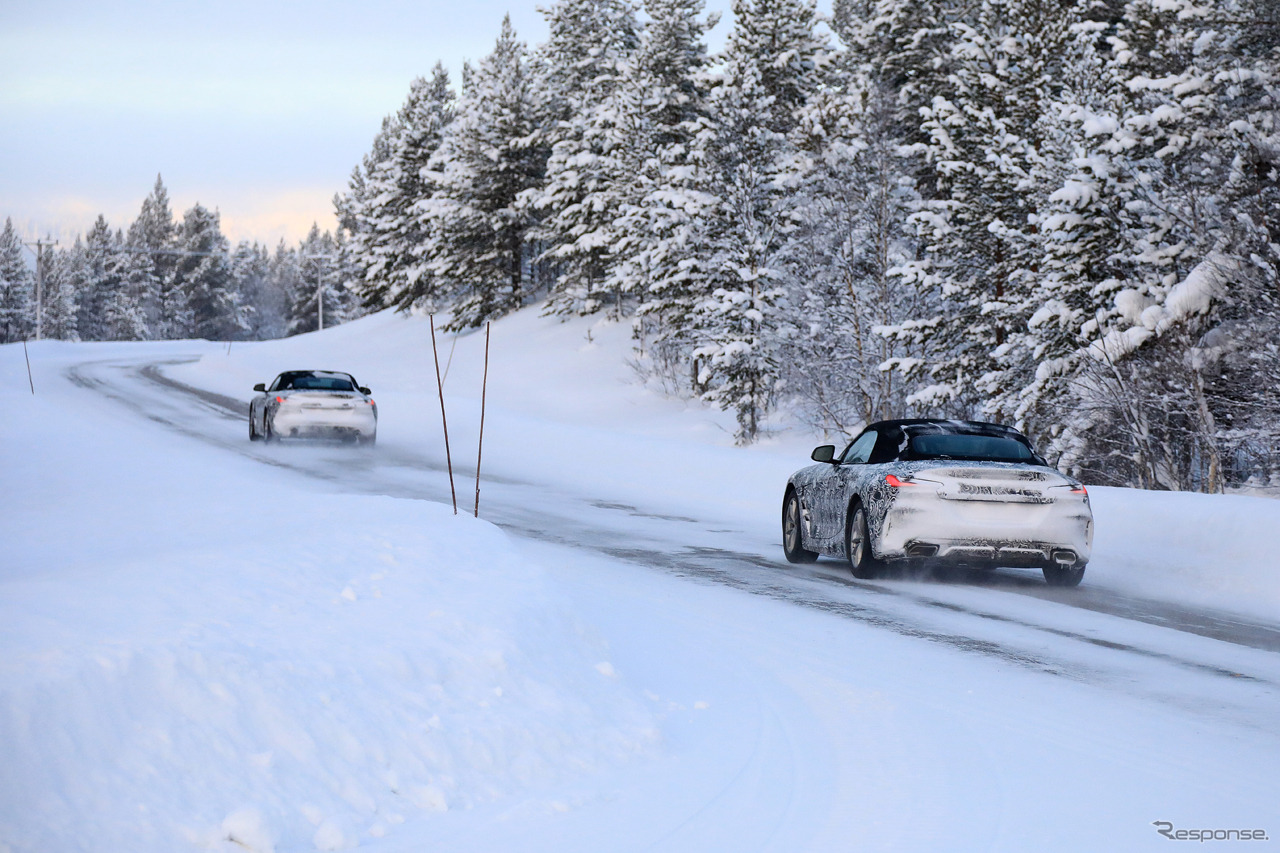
{"x": 313, "y": 404}
{"x": 963, "y": 492}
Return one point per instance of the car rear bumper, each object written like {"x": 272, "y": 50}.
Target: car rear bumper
{"x": 325, "y": 423}
{"x": 1032, "y": 535}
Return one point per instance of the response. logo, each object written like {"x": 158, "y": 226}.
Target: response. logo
{"x": 1202, "y": 835}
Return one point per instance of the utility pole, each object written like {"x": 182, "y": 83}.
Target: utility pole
{"x": 40, "y": 246}
{"x": 319, "y": 288}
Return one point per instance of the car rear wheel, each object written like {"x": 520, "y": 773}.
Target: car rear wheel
{"x": 857, "y": 541}
{"x": 1063, "y": 575}
{"x": 791, "y": 541}
{"x": 253, "y": 429}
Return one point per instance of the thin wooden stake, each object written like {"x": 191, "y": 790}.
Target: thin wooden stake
{"x": 484, "y": 386}
{"x": 30, "y": 381}
{"x": 440, "y": 384}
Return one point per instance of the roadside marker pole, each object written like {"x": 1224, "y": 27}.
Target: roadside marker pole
{"x": 30, "y": 381}
{"x": 484, "y": 385}
{"x": 440, "y": 384}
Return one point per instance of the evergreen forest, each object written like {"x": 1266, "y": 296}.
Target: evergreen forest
{"x": 1057, "y": 214}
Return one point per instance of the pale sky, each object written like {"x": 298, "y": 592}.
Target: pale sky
{"x": 258, "y": 108}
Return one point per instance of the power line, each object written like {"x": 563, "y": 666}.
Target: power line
{"x": 135, "y": 250}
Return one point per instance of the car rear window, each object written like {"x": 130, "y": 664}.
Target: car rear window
{"x": 322, "y": 383}
{"x": 962, "y": 446}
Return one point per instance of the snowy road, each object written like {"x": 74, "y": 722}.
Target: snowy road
{"x": 795, "y": 708}
{"x": 1009, "y": 615}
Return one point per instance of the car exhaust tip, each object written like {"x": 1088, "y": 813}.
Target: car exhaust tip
{"x": 922, "y": 549}
{"x": 1064, "y": 557}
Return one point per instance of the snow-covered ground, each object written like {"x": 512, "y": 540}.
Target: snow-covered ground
{"x": 207, "y": 644}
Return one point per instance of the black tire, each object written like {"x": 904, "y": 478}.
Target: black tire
{"x": 269, "y": 434}
{"x": 1063, "y": 576}
{"x": 857, "y": 546}
{"x": 791, "y": 539}
{"x": 253, "y": 430}
{"x": 367, "y": 441}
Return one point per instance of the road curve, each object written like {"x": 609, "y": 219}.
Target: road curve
{"x": 1011, "y": 616}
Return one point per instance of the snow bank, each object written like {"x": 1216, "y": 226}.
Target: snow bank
{"x": 200, "y": 653}
{"x": 192, "y": 657}
{"x": 1220, "y": 551}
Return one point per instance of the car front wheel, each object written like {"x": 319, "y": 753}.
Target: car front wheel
{"x": 791, "y": 542}
{"x": 857, "y": 542}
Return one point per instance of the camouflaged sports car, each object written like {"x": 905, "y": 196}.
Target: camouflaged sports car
{"x": 959, "y": 492}
{"x": 313, "y": 404}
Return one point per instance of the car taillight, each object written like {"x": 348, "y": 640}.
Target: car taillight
{"x": 279, "y": 399}
{"x": 1081, "y": 490}
{"x": 896, "y": 483}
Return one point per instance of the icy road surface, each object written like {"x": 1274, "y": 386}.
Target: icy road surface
{"x": 742, "y": 558}
{"x": 766, "y": 707}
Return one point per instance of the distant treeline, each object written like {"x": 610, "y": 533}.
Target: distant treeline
{"x": 165, "y": 280}
{"x": 1060, "y": 214}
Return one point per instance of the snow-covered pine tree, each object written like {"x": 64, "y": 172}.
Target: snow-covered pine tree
{"x": 848, "y": 257}
{"x": 1194, "y": 166}
{"x": 493, "y": 151}
{"x": 358, "y": 193}
{"x": 1079, "y": 228}
{"x": 204, "y": 275}
{"x": 984, "y": 150}
{"x": 17, "y": 288}
{"x": 125, "y": 310}
{"x": 286, "y": 275}
{"x": 99, "y": 282}
{"x": 904, "y": 46}
{"x": 61, "y": 289}
{"x": 350, "y": 304}
{"x": 359, "y": 196}
{"x": 898, "y": 55}
{"x": 388, "y": 235}
{"x": 154, "y": 230}
{"x": 590, "y": 44}
{"x": 773, "y": 64}
{"x": 1244, "y": 346}
{"x": 251, "y": 267}
{"x": 659, "y": 107}
{"x": 318, "y": 295}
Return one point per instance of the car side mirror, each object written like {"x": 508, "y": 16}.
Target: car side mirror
{"x": 261, "y": 386}
{"x": 824, "y": 453}
{"x": 365, "y": 391}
